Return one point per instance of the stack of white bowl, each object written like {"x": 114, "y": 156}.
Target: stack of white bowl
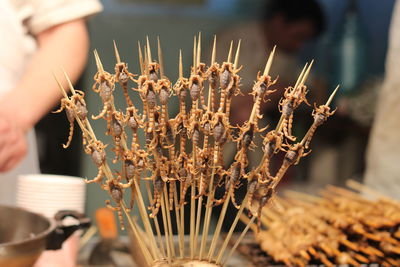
{"x": 48, "y": 193}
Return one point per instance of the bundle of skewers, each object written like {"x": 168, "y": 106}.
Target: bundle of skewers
{"x": 181, "y": 162}
{"x": 340, "y": 227}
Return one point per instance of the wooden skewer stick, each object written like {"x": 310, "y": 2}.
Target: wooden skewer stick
{"x": 198, "y": 221}
{"x": 304, "y": 78}
{"x": 207, "y": 217}
{"x": 229, "y": 59}
{"x": 194, "y": 54}
{"x": 117, "y": 57}
{"x": 135, "y": 231}
{"x": 246, "y": 221}
{"x": 217, "y": 231}
{"x": 332, "y": 96}
{"x": 169, "y": 222}
{"x": 269, "y": 62}
{"x": 211, "y": 92}
{"x": 141, "y": 63}
{"x": 145, "y": 220}
{"x": 166, "y": 232}
{"x": 198, "y": 60}
{"x": 192, "y": 218}
{"x": 214, "y": 51}
{"x": 98, "y": 62}
{"x": 193, "y": 238}
{"x": 180, "y": 65}
{"x": 301, "y": 75}
{"x": 178, "y": 223}
{"x": 160, "y": 58}
{"x": 235, "y": 64}
{"x": 210, "y": 108}
{"x": 71, "y": 87}
{"x": 149, "y": 58}
{"x": 181, "y": 237}
{"x": 157, "y": 225}
{"x": 146, "y": 60}
{"x": 231, "y": 229}
{"x": 64, "y": 93}
{"x": 240, "y": 238}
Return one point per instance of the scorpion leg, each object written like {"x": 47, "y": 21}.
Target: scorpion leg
{"x": 97, "y": 179}
{"x": 70, "y": 135}
{"x": 102, "y": 113}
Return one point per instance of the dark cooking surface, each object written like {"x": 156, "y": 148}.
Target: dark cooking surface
{"x": 18, "y": 225}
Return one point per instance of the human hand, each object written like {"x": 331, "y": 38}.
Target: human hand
{"x": 13, "y": 143}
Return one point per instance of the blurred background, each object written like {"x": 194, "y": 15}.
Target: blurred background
{"x": 347, "y": 39}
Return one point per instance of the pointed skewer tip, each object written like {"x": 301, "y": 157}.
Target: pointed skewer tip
{"x": 235, "y": 64}
{"x": 60, "y": 85}
{"x": 180, "y": 64}
{"x": 198, "y": 49}
{"x": 195, "y": 52}
{"x": 332, "y": 96}
{"x": 148, "y": 50}
{"x": 230, "y": 53}
{"x": 140, "y": 58}
{"x": 214, "y": 52}
{"x": 301, "y": 75}
{"x": 71, "y": 87}
{"x": 98, "y": 61}
{"x": 160, "y": 57}
{"x": 303, "y": 80}
{"x": 116, "y": 52}
{"x": 269, "y": 61}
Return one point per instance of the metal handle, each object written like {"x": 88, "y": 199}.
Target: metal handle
{"x": 62, "y": 232}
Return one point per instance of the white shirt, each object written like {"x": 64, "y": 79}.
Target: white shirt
{"x": 20, "y": 20}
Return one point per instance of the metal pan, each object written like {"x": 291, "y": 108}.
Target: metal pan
{"x": 25, "y": 235}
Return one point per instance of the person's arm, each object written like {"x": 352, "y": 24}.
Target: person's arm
{"x": 64, "y": 45}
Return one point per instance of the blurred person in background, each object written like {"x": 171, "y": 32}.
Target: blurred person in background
{"x": 383, "y": 153}
{"x": 288, "y": 24}
{"x": 39, "y": 37}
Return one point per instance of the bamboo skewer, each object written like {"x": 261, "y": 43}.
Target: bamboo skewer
{"x": 146, "y": 253}
{"x": 157, "y": 225}
{"x": 210, "y": 108}
{"x": 231, "y": 229}
{"x": 169, "y": 222}
{"x": 166, "y": 232}
{"x": 207, "y": 217}
{"x": 240, "y": 238}
{"x": 218, "y": 228}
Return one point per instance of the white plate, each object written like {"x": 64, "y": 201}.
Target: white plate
{"x": 51, "y": 179}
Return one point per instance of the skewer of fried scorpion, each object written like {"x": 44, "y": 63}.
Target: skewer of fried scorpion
{"x": 89, "y": 134}
{"x": 203, "y": 169}
{"x": 320, "y": 115}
